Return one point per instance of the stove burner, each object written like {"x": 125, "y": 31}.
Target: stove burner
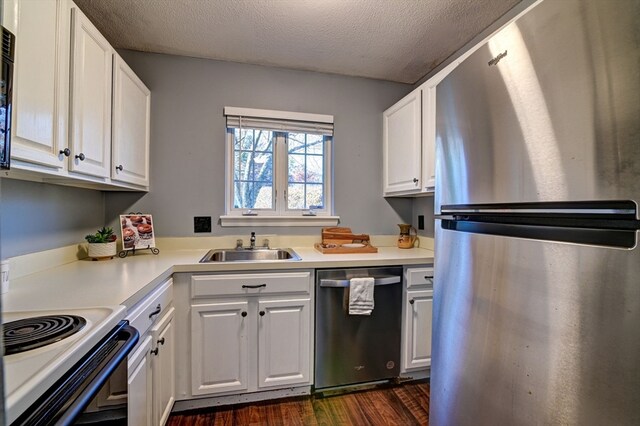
{"x": 31, "y": 333}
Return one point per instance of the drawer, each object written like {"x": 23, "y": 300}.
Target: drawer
{"x": 203, "y": 286}
{"x": 149, "y": 309}
{"x": 420, "y": 277}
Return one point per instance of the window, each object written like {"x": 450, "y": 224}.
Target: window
{"x": 278, "y": 168}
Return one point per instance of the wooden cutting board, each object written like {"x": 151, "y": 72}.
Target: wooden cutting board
{"x": 342, "y": 236}
{"x": 333, "y": 240}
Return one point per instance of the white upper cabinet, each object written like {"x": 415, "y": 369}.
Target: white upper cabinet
{"x": 409, "y": 138}
{"x": 130, "y": 130}
{"x": 64, "y": 102}
{"x": 91, "y": 71}
{"x": 402, "y": 145}
{"x": 41, "y": 71}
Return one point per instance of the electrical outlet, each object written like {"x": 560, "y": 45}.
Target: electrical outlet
{"x": 421, "y": 221}
{"x": 202, "y": 224}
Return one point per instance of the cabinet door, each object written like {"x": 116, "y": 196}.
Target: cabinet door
{"x": 402, "y": 140}
{"x": 90, "y": 133}
{"x": 140, "y": 401}
{"x": 417, "y": 337}
{"x": 131, "y": 109}
{"x": 163, "y": 367}
{"x": 283, "y": 342}
{"x": 219, "y": 336}
{"x": 429, "y": 138}
{"x": 40, "y": 86}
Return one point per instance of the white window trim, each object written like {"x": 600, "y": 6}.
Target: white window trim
{"x": 280, "y": 216}
{"x": 280, "y": 115}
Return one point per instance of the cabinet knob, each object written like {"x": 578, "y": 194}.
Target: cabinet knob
{"x": 80, "y": 157}
{"x": 66, "y": 152}
{"x": 161, "y": 341}
{"x": 244, "y": 314}
{"x": 119, "y": 167}
{"x": 415, "y": 180}
{"x": 262, "y": 313}
{"x": 412, "y": 301}
{"x": 154, "y": 351}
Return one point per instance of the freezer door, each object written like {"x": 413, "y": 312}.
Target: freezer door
{"x": 529, "y": 332}
{"x": 547, "y": 110}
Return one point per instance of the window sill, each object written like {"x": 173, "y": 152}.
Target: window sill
{"x": 230, "y": 221}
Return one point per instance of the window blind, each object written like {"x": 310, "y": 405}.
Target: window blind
{"x": 280, "y": 121}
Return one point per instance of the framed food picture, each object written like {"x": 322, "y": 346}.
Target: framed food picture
{"x": 137, "y": 231}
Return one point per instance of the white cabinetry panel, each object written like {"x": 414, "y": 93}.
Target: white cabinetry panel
{"x": 131, "y": 115}
{"x": 139, "y": 404}
{"x": 283, "y": 342}
{"x": 417, "y": 345}
{"x": 91, "y": 74}
{"x": 402, "y": 141}
{"x": 219, "y": 347}
{"x": 40, "y": 84}
{"x": 163, "y": 366}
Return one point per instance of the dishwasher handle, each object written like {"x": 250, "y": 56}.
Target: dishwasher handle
{"x": 394, "y": 279}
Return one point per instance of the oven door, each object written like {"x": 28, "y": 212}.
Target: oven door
{"x": 71, "y": 400}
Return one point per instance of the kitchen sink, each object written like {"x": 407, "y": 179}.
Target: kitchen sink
{"x": 250, "y": 255}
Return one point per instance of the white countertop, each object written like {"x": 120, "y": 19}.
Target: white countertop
{"x": 86, "y": 283}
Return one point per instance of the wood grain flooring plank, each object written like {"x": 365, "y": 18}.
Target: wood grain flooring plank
{"x": 400, "y": 405}
{"x": 384, "y": 408}
{"x": 415, "y": 400}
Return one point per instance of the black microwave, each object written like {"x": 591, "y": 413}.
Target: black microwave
{"x": 6, "y": 89}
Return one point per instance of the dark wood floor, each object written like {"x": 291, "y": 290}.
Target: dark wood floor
{"x": 407, "y": 404}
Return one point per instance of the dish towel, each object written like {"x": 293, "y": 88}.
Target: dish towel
{"x": 361, "y": 296}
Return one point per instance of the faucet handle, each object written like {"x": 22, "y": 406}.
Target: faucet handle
{"x": 238, "y": 243}
{"x": 265, "y": 243}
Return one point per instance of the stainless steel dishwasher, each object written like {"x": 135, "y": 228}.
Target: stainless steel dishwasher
{"x": 357, "y": 349}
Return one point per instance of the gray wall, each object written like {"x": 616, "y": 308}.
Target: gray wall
{"x": 188, "y": 140}
{"x": 423, "y": 206}
{"x": 38, "y": 216}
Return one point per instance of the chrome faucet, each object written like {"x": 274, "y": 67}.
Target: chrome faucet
{"x": 252, "y": 241}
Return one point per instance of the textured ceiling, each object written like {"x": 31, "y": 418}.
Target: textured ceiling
{"x": 396, "y": 40}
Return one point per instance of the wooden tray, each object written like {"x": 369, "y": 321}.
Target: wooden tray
{"x": 368, "y": 248}
{"x": 334, "y": 239}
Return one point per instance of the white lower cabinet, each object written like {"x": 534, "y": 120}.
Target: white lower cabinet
{"x": 417, "y": 320}
{"x": 417, "y": 351}
{"x": 139, "y": 386}
{"x": 163, "y": 367}
{"x": 283, "y": 342}
{"x": 151, "y": 367}
{"x": 219, "y": 347}
{"x": 250, "y": 332}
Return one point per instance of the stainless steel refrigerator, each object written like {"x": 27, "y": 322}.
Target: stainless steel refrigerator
{"x": 537, "y": 272}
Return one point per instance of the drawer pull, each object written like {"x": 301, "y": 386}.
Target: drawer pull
{"x": 156, "y": 312}
{"x": 161, "y": 341}
{"x": 262, "y": 313}
{"x": 254, "y": 286}
{"x": 154, "y": 351}
{"x": 244, "y": 314}
{"x": 426, "y": 277}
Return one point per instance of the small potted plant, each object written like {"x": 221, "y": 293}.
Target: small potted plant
{"x": 102, "y": 244}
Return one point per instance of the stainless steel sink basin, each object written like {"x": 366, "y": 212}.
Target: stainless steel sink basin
{"x": 250, "y": 255}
